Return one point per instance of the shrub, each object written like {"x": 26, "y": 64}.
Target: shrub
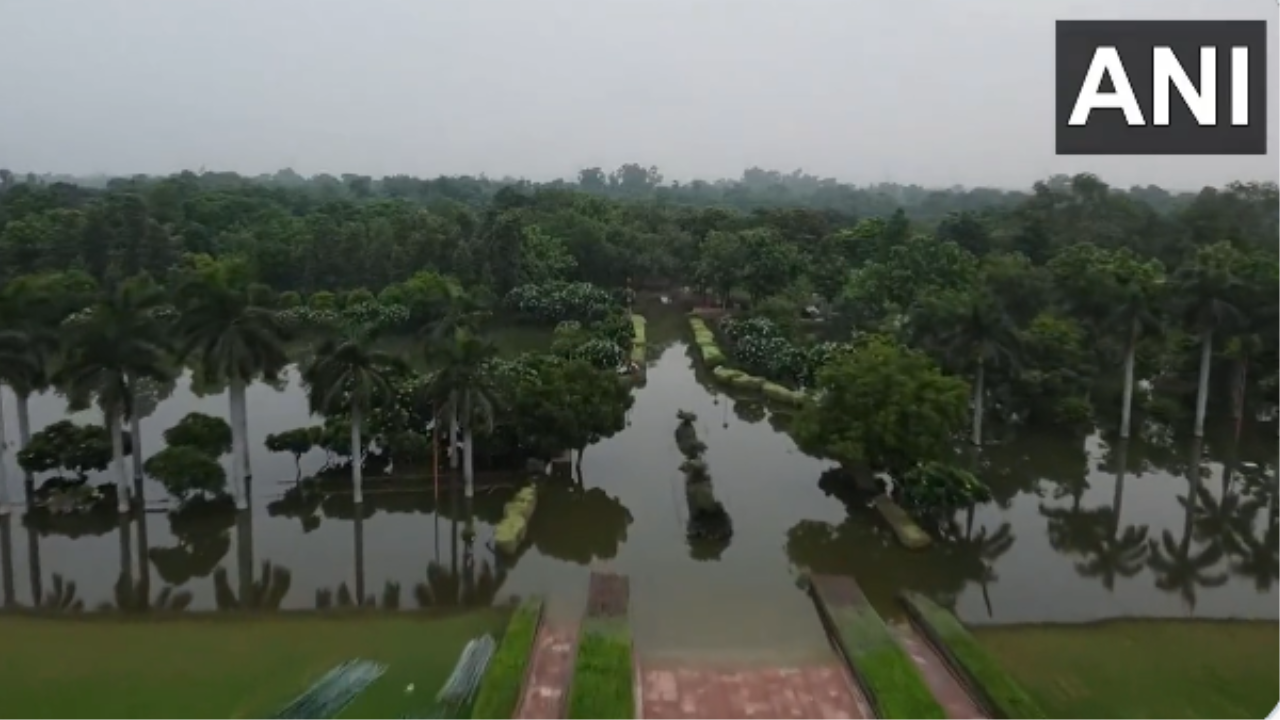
{"x": 210, "y": 435}
{"x": 186, "y": 471}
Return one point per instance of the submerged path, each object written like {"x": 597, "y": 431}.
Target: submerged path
{"x": 817, "y": 690}
{"x": 550, "y": 670}
{"x": 937, "y": 674}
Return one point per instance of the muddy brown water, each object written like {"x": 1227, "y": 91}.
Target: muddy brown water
{"x": 1067, "y": 538}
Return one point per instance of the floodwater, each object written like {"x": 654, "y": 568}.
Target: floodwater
{"x": 1066, "y": 539}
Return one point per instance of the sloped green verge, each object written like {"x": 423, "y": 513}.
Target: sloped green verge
{"x": 887, "y": 675}
{"x": 500, "y": 689}
{"x": 983, "y": 675}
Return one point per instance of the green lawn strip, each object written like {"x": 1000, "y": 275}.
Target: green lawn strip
{"x": 1143, "y": 668}
{"x": 994, "y": 687}
{"x": 886, "y": 673}
{"x": 500, "y": 689}
{"x": 202, "y": 668}
{"x": 603, "y": 679}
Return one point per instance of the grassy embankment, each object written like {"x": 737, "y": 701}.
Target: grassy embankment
{"x": 1143, "y": 668}
{"x": 220, "y": 667}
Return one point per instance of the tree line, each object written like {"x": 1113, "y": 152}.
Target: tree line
{"x": 1070, "y": 304}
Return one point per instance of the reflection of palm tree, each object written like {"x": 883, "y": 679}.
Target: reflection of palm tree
{"x": 33, "y": 565}
{"x": 973, "y": 555}
{"x": 265, "y": 593}
{"x": 1176, "y": 567}
{"x": 62, "y": 596}
{"x": 1117, "y": 552}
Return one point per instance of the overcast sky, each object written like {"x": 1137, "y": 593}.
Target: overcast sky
{"x": 936, "y": 92}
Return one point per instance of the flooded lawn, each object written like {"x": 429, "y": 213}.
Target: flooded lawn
{"x": 1068, "y": 538}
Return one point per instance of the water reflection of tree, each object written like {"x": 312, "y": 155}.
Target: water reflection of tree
{"x": 578, "y": 524}
{"x": 1111, "y": 549}
{"x": 132, "y": 594}
{"x": 1026, "y": 465}
{"x": 1177, "y": 567}
{"x": 203, "y": 539}
{"x": 266, "y": 592}
{"x": 863, "y": 548}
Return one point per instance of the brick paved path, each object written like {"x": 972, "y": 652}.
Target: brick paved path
{"x": 550, "y": 671}
{"x": 824, "y": 690}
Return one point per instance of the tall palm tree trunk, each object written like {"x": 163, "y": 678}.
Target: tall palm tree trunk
{"x": 235, "y": 395}
{"x": 453, "y": 437}
{"x": 1202, "y": 392}
{"x": 135, "y": 447}
{"x": 24, "y": 439}
{"x": 243, "y": 421}
{"x": 357, "y": 471}
{"x": 4, "y": 461}
{"x": 1129, "y": 357}
{"x": 468, "y": 464}
{"x": 978, "y": 392}
{"x": 1122, "y": 460}
{"x": 115, "y": 422}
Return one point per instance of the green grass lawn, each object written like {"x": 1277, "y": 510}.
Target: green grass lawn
{"x": 1144, "y": 668}
{"x": 225, "y": 668}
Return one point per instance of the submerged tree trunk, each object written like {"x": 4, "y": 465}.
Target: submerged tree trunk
{"x": 243, "y": 422}
{"x": 4, "y": 461}
{"x": 357, "y": 469}
{"x": 235, "y": 395}
{"x": 468, "y": 464}
{"x": 34, "y": 571}
{"x": 24, "y": 439}
{"x": 114, "y": 423}
{"x": 978, "y": 392}
{"x": 1122, "y": 461}
{"x": 453, "y": 437}
{"x": 135, "y": 449}
{"x": 6, "y": 563}
{"x": 1127, "y": 411}
{"x": 1202, "y": 392}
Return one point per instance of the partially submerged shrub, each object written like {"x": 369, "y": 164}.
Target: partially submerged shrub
{"x": 936, "y": 486}
{"x": 210, "y": 435}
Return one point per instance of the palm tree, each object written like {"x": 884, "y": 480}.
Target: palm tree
{"x": 462, "y": 387}
{"x": 984, "y": 337}
{"x": 1134, "y": 314}
{"x": 461, "y": 311}
{"x": 347, "y": 374}
{"x": 1209, "y": 284}
{"x": 116, "y": 340}
{"x": 231, "y": 337}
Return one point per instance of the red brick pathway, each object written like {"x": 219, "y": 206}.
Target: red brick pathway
{"x": 953, "y": 697}
{"x": 803, "y": 691}
{"x": 550, "y": 670}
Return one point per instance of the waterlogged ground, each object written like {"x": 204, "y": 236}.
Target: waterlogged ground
{"x": 1066, "y": 540}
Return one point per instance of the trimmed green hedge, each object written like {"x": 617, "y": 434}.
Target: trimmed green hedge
{"x": 603, "y": 677}
{"x": 500, "y": 688}
{"x": 886, "y": 673}
{"x": 984, "y": 675}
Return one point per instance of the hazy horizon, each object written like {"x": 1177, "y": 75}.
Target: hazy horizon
{"x": 703, "y": 89}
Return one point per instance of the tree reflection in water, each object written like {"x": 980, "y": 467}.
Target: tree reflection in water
{"x": 8, "y": 593}
{"x": 266, "y": 592}
{"x": 203, "y": 533}
{"x": 1177, "y": 568}
{"x": 1113, "y": 550}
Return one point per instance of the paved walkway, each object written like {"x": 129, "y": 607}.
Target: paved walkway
{"x": 550, "y": 671}
{"x": 946, "y": 688}
{"x": 805, "y": 691}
